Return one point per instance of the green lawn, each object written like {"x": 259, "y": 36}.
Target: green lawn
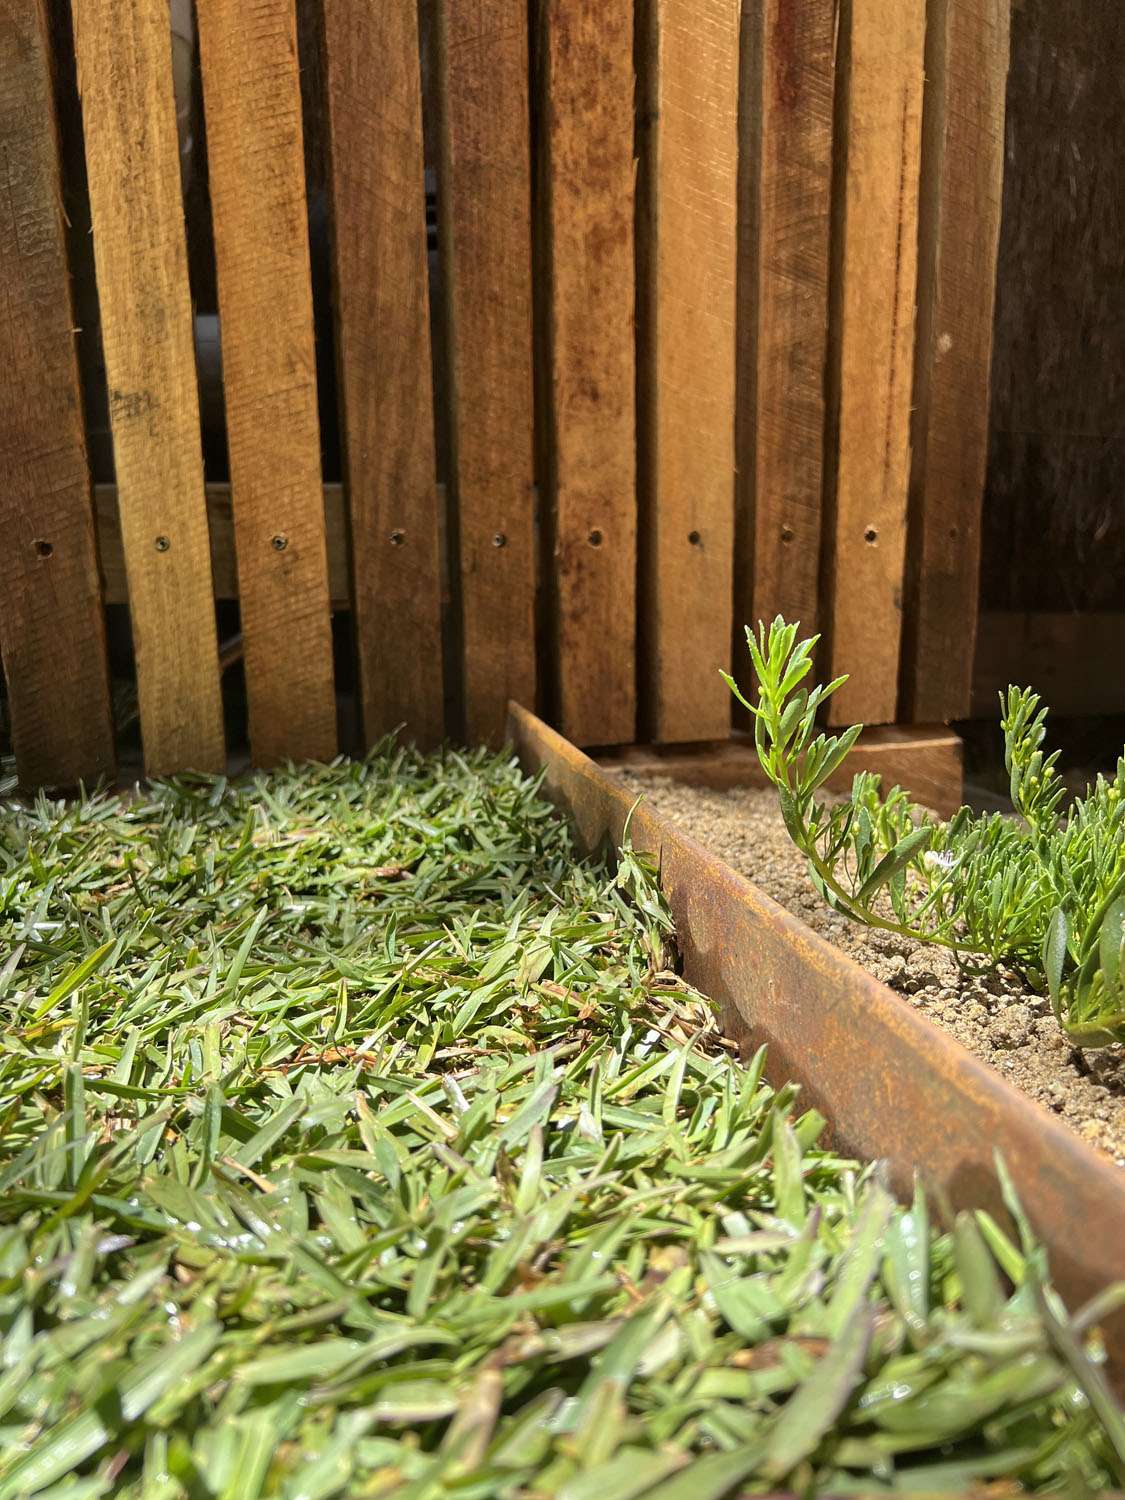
{"x": 357, "y": 1140}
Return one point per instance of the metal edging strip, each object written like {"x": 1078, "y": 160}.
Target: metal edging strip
{"x": 893, "y": 1085}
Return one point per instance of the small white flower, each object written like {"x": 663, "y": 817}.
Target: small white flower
{"x": 936, "y": 861}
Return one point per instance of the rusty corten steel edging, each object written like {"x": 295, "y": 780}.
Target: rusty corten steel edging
{"x": 893, "y": 1085}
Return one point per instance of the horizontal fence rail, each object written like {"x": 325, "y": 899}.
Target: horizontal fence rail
{"x": 701, "y": 332}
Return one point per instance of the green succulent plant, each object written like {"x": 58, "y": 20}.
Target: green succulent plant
{"x": 1043, "y": 892}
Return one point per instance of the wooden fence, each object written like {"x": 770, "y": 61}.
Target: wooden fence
{"x": 710, "y": 348}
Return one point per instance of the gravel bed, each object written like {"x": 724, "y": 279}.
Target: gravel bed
{"x": 993, "y": 1014}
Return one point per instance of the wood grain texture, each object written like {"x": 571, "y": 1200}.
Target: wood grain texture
{"x": 590, "y": 387}
{"x": 485, "y": 216}
{"x": 377, "y": 188}
{"x": 220, "y": 523}
{"x": 124, "y": 55}
{"x": 255, "y": 156}
{"x": 962, "y": 184}
{"x": 689, "y": 52}
{"x": 875, "y": 283}
{"x": 785, "y": 203}
{"x": 52, "y": 631}
{"x": 1054, "y": 525}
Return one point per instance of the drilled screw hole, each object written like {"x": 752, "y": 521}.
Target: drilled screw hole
{"x": 694, "y": 538}
{"x": 397, "y": 538}
{"x": 499, "y": 540}
{"x": 871, "y": 536}
{"x": 787, "y": 533}
{"x": 595, "y": 538}
{"x": 44, "y": 549}
{"x": 162, "y": 544}
{"x": 279, "y": 542}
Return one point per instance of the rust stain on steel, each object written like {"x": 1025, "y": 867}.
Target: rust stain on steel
{"x": 894, "y": 1086}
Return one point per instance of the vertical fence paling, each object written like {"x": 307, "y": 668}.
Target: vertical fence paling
{"x": 484, "y": 200}
{"x": 51, "y": 624}
{"x": 785, "y": 190}
{"x": 377, "y": 186}
{"x": 252, "y": 100}
{"x": 124, "y": 56}
{"x": 782, "y": 235}
{"x": 966, "y": 78}
{"x": 689, "y": 52}
{"x": 872, "y": 361}
{"x": 587, "y": 174}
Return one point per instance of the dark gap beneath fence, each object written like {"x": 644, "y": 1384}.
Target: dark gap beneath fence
{"x": 207, "y": 332}
{"x": 548, "y": 625}
{"x": 314, "y": 106}
{"x": 748, "y": 274}
{"x": 435, "y": 135}
{"x": 201, "y": 268}
{"x": 448, "y": 541}
{"x": 929, "y": 210}
{"x": 644, "y": 56}
{"x": 314, "y": 118}
{"x": 833, "y": 362}
{"x": 431, "y": 145}
{"x": 1088, "y": 746}
{"x": 80, "y": 245}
